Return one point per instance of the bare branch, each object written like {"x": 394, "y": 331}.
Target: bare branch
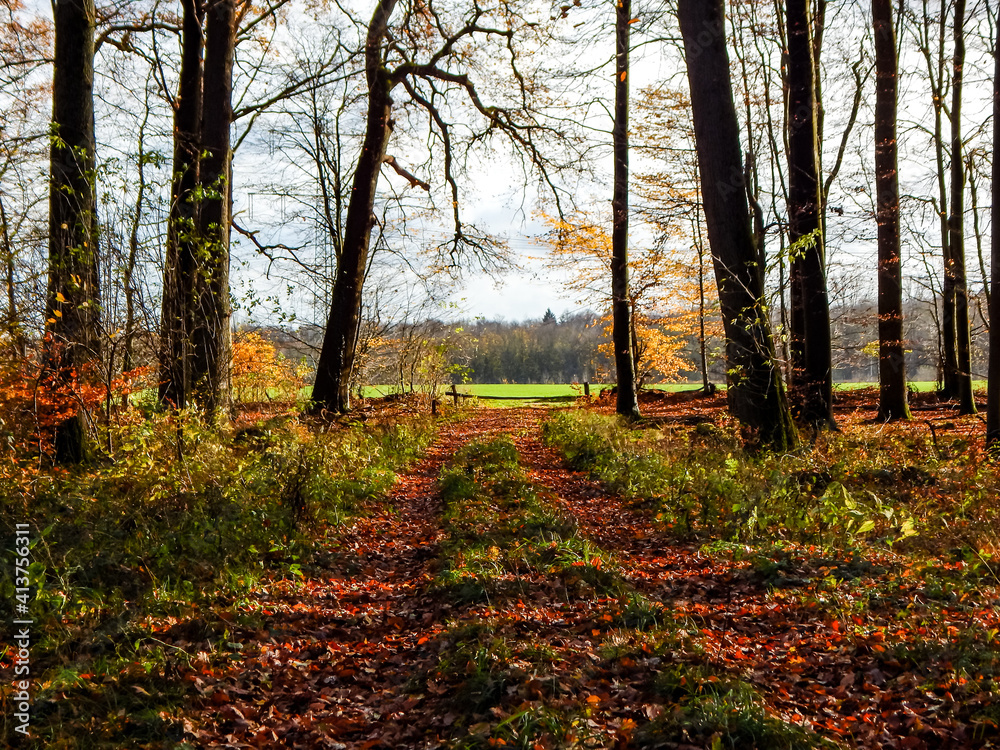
{"x": 409, "y": 176}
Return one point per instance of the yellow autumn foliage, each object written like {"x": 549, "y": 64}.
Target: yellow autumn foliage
{"x": 664, "y": 292}
{"x": 260, "y": 372}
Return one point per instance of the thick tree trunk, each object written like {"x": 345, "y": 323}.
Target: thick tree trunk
{"x": 73, "y": 299}
{"x": 955, "y": 259}
{"x": 810, "y": 306}
{"x": 756, "y": 394}
{"x": 336, "y": 361}
{"x": 211, "y": 336}
{"x": 176, "y": 322}
{"x": 993, "y": 393}
{"x": 627, "y": 403}
{"x": 891, "y": 369}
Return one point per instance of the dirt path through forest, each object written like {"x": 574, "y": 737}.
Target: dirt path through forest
{"x": 363, "y": 654}
{"x": 334, "y": 666}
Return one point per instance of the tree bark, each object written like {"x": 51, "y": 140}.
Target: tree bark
{"x": 73, "y": 301}
{"x": 176, "y": 322}
{"x": 627, "y": 403}
{"x": 955, "y": 259}
{"x": 892, "y": 369}
{"x": 756, "y": 394}
{"x": 211, "y": 336}
{"x": 331, "y": 390}
{"x": 810, "y": 306}
{"x": 993, "y": 387}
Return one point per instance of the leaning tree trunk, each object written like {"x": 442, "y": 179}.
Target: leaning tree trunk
{"x": 181, "y": 251}
{"x": 955, "y": 260}
{"x": 211, "y": 337}
{"x": 891, "y": 359}
{"x": 627, "y": 403}
{"x": 809, "y": 301}
{"x": 73, "y": 300}
{"x": 993, "y": 394}
{"x": 756, "y": 394}
{"x": 336, "y": 360}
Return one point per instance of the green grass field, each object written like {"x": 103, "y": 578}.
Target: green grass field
{"x": 530, "y": 391}
{"x": 527, "y": 392}
{"x": 921, "y": 386}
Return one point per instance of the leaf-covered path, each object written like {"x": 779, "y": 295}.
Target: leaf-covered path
{"x": 371, "y": 651}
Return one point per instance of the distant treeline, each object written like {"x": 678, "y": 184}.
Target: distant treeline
{"x": 550, "y": 351}
{"x": 567, "y": 350}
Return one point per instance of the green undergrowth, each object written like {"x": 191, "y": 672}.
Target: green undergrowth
{"x": 846, "y": 491}
{"x": 146, "y": 562}
{"x": 503, "y": 530}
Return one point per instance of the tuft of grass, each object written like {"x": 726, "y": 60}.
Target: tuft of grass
{"x": 479, "y": 656}
{"x": 706, "y": 708}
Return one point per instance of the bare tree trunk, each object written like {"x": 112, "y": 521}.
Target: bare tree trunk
{"x": 128, "y": 281}
{"x": 891, "y": 360}
{"x": 72, "y": 306}
{"x": 936, "y": 72}
{"x": 810, "y": 306}
{"x": 977, "y": 230}
{"x": 336, "y": 360}
{"x": 756, "y": 394}
{"x": 702, "y": 343}
{"x": 955, "y": 260}
{"x": 179, "y": 268}
{"x": 211, "y": 335}
{"x": 627, "y": 403}
{"x": 993, "y": 392}
{"x": 13, "y": 324}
